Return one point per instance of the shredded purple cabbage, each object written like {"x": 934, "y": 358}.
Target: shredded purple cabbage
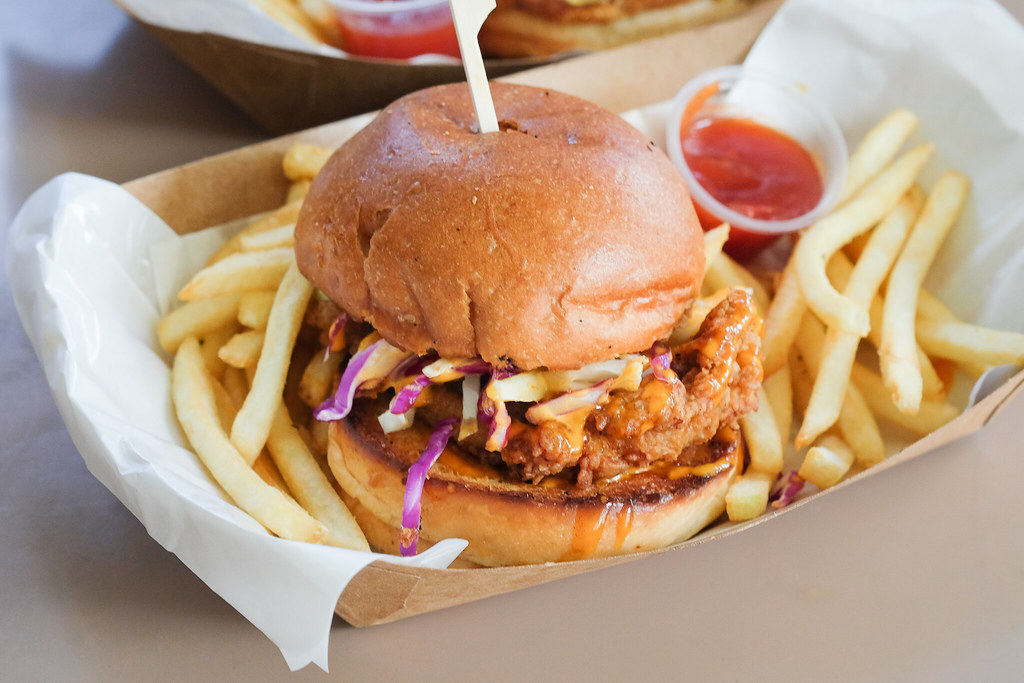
{"x": 493, "y": 415}
{"x": 661, "y": 362}
{"x": 587, "y": 398}
{"x": 416, "y": 479}
{"x": 414, "y": 365}
{"x": 407, "y": 395}
{"x": 786, "y": 489}
{"x": 477, "y": 366}
{"x": 339, "y": 405}
{"x": 337, "y": 327}
{"x": 498, "y": 427}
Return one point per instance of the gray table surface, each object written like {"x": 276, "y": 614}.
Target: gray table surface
{"x": 914, "y": 575}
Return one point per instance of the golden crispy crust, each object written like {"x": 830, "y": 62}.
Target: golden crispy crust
{"x": 563, "y": 239}
{"x": 508, "y": 522}
{"x": 537, "y": 28}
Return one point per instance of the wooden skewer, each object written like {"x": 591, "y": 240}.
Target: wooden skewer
{"x": 469, "y": 16}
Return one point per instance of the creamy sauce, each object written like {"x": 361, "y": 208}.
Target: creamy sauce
{"x": 591, "y": 526}
{"x": 623, "y": 525}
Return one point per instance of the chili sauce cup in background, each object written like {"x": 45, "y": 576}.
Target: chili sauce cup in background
{"x": 395, "y": 29}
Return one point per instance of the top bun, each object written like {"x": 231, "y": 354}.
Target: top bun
{"x": 563, "y": 239}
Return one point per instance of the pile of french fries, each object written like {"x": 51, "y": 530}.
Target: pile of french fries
{"x": 233, "y": 340}
{"x": 851, "y": 336}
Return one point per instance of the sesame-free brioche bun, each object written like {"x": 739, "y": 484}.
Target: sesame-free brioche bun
{"x": 565, "y": 238}
{"x": 510, "y": 522}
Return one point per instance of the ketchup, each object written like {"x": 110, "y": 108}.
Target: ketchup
{"x": 752, "y": 169}
{"x": 398, "y": 38}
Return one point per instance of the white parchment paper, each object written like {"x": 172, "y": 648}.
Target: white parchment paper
{"x": 85, "y": 285}
{"x": 80, "y": 265}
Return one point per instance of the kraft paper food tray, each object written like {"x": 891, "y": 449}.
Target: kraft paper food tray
{"x": 286, "y": 90}
{"x": 285, "y": 84}
{"x": 80, "y": 266}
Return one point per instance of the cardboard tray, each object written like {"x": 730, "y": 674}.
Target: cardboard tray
{"x": 248, "y": 181}
{"x": 286, "y": 90}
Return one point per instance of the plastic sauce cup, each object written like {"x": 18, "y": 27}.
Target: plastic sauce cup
{"x": 395, "y": 29}
{"x": 762, "y": 103}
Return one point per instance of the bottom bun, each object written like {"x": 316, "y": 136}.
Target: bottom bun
{"x": 513, "y": 32}
{"x": 508, "y": 522}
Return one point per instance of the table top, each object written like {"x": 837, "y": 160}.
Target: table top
{"x": 917, "y": 574}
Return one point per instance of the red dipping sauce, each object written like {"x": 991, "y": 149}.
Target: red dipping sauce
{"x": 396, "y": 29}
{"x": 754, "y": 170}
{"x": 757, "y": 152}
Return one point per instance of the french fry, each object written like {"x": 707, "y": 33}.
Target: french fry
{"x": 840, "y": 347}
{"x": 747, "y": 496}
{"x": 303, "y": 161}
{"x": 266, "y": 469}
{"x": 839, "y": 270}
{"x": 930, "y": 416}
{"x": 241, "y": 272}
{"x": 830, "y": 386}
{"x": 826, "y": 462}
{"x": 723, "y": 272}
{"x": 882, "y": 248}
{"x": 810, "y": 340}
{"x": 196, "y": 318}
{"x": 288, "y": 213}
{"x": 310, "y": 486}
{"x": 859, "y": 429}
{"x": 931, "y": 384}
{"x": 251, "y": 426}
{"x": 930, "y": 308}
{"x": 317, "y": 378}
{"x": 243, "y": 349}
{"x": 801, "y": 380}
{"x": 196, "y": 409}
{"x": 298, "y": 190}
{"x": 854, "y": 247}
{"x": 688, "y": 326}
{"x": 714, "y": 240}
{"x": 761, "y": 432}
{"x": 828, "y": 235}
{"x": 778, "y": 388}
{"x": 225, "y": 402}
{"x": 254, "y": 309}
{"x": 275, "y": 238}
{"x": 967, "y": 343}
{"x": 237, "y": 385}
{"x": 897, "y": 354}
{"x": 210, "y": 345}
{"x": 877, "y": 149}
{"x": 782, "y": 321}
{"x": 855, "y": 421}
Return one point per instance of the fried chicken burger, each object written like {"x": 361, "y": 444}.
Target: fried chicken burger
{"x": 516, "y": 304}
